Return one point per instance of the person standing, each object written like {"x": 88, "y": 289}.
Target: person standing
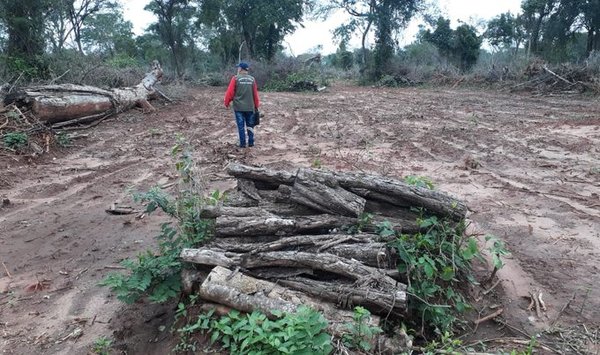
{"x": 243, "y": 92}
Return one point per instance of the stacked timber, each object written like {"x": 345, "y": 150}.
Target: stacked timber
{"x": 285, "y": 239}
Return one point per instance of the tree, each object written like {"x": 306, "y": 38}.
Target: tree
{"x": 441, "y": 37}
{"x": 80, "y": 11}
{"x": 501, "y": 31}
{"x": 108, "y": 33}
{"x": 58, "y": 25}
{"x": 466, "y": 46}
{"x": 384, "y": 17}
{"x": 260, "y": 24}
{"x": 460, "y": 46}
{"x": 24, "y": 22}
{"x": 591, "y": 22}
{"x": 535, "y": 12}
{"x": 173, "y": 26}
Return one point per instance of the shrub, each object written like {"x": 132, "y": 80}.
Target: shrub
{"x": 15, "y": 140}
{"x": 158, "y": 274}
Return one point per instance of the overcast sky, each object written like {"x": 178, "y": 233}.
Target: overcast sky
{"x": 317, "y": 33}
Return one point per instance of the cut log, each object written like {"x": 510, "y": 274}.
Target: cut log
{"x": 349, "y": 296}
{"x": 396, "y": 192}
{"x": 218, "y": 211}
{"x": 248, "y": 245}
{"x": 57, "y": 103}
{"x": 261, "y": 174}
{"x": 210, "y": 257}
{"x": 256, "y": 226}
{"x": 247, "y": 188}
{"x": 434, "y": 201}
{"x": 248, "y": 294}
{"x": 346, "y": 268}
{"x": 376, "y": 255}
{"x": 325, "y": 195}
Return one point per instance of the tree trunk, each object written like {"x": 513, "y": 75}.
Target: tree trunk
{"x": 376, "y": 255}
{"x": 260, "y": 174}
{"x": 346, "y": 268}
{"x": 60, "y": 103}
{"x": 325, "y": 196}
{"x": 226, "y": 226}
{"x": 349, "y": 296}
{"x": 380, "y": 188}
{"x": 248, "y": 294}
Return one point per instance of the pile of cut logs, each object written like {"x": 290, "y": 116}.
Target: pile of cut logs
{"x": 286, "y": 239}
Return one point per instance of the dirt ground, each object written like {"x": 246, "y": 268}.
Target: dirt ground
{"x": 528, "y": 168}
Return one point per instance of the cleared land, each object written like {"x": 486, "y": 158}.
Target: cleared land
{"x": 527, "y": 167}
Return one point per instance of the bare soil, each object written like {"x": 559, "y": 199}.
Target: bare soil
{"x": 528, "y": 168}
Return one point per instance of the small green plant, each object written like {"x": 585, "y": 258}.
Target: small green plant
{"x": 361, "y": 334}
{"x": 435, "y": 261}
{"x": 157, "y": 274}
{"x": 15, "y": 140}
{"x": 419, "y": 181}
{"x": 102, "y": 346}
{"x": 365, "y": 220}
{"x": 302, "y": 332}
{"x": 316, "y": 163}
{"x": 445, "y": 345}
{"x": 63, "y": 140}
{"x": 498, "y": 250}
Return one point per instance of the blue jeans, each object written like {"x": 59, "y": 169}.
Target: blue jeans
{"x": 245, "y": 122}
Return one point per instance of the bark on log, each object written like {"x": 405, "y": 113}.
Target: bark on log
{"x": 296, "y": 242}
{"x": 58, "y": 103}
{"x": 349, "y": 296}
{"x": 434, "y": 201}
{"x": 347, "y": 268}
{"x": 325, "y": 195}
{"x": 256, "y": 226}
{"x": 247, "y": 188}
{"x": 210, "y": 257}
{"x": 376, "y": 255}
{"x": 397, "y": 192}
{"x": 261, "y": 174}
{"x": 248, "y": 294}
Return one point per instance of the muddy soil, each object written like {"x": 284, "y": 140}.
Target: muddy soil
{"x": 528, "y": 168}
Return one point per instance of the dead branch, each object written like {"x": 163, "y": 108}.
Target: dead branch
{"x": 488, "y": 317}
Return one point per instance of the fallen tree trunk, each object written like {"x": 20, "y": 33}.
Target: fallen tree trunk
{"x": 261, "y": 174}
{"x": 248, "y": 294}
{"x": 348, "y": 296}
{"x": 226, "y": 226}
{"x": 77, "y": 104}
{"x": 376, "y": 255}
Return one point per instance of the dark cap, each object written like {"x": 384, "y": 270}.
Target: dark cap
{"x": 243, "y": 65}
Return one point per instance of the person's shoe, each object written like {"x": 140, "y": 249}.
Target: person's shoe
{"x": 251, "y": 145}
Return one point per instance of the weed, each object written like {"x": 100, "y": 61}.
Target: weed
{"x": 158, "y": 274}
{"x": 435, "y": 261}
{"x": 316, "y": 163}
{"x": 361, "y": 334}
{"x": 498, "y": 250}
{"x": 446, "y": 345}
{"x": 364, "y": 220}
{"x": 15, "y": 140}
{"x": 63, "y": 140}
{"x": 302, "y": 332}
{"x": 102, "y": 346}
{"x": 419, "y": 181}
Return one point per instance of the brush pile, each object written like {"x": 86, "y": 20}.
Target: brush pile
{"x": 311, "y": 237}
